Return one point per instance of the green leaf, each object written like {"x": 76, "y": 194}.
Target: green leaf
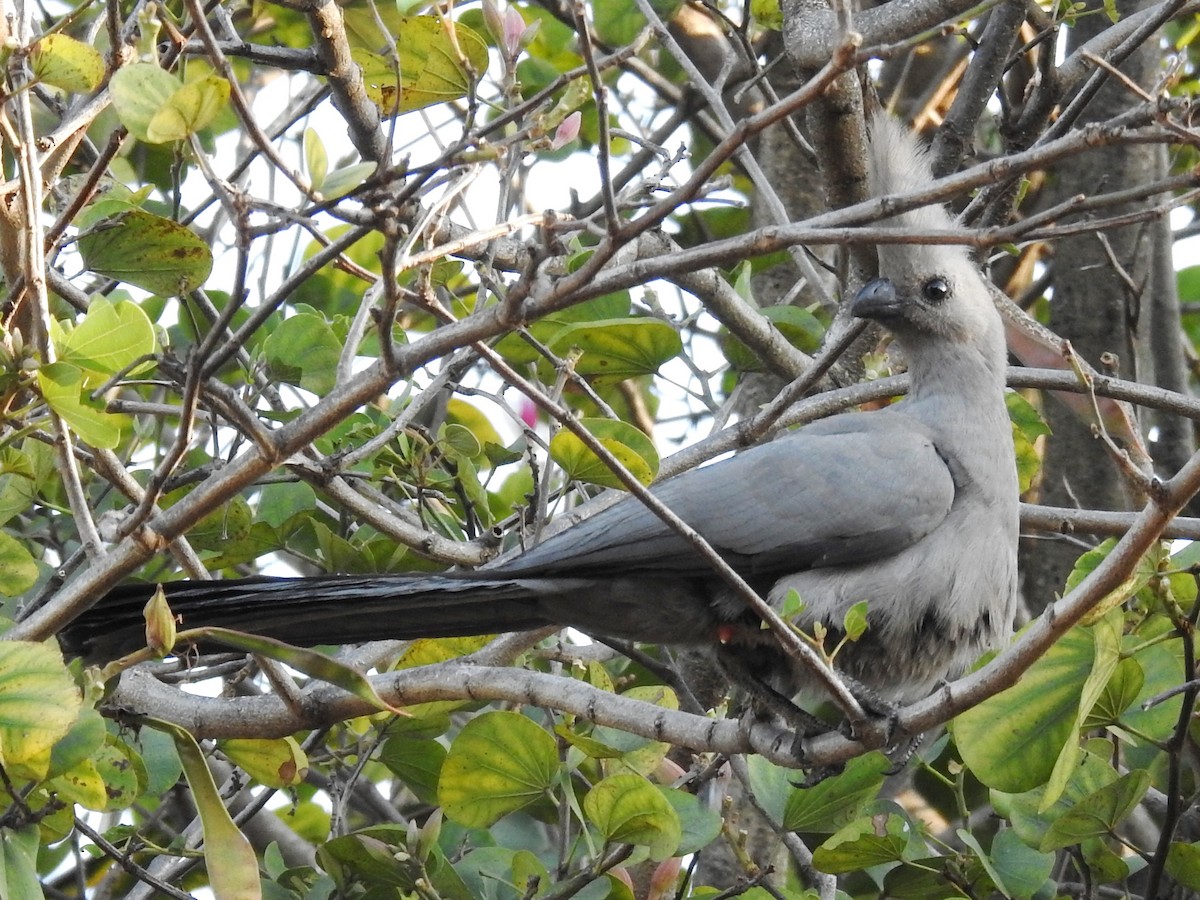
{"x": 767, "y": 14}
{"x": 188, "y": 110}
{"x": 629, "y": 445}
{"x": 1025, "y": 810}
{"x": 492, "y": 873}
{"x": 111, "y": 337}
{"x": 316, "y": 160}
{"x": 1183, "y": 864}
{"x": 228, "y": 524}
{"x": 1118, "y": 695}
{"x": 304, "y": 351}
{"x": 434, "y": 67}
{"x": 1106, "y": 635}
{"x": 854, "y": 623}
{"x": 18, "y": 569}
{"x": 38, "y": 705}
{"x": 85, "y": 738}
{"x": 499, "y": 763}
{"x": 418, "y": 763}
{"x": 82, "y": 784}
{"x": 1146, "y": 569}
{"x": 617, "y": 349}
{"x": 802, "y": 329}
{"x": 160, "y": 760}
{"x": 516, "y": 350}
{"x": 121, "y": 772}
{"x": 369, "y": 855}
{"x": 1023, "y": 870}
{"x": 638, "y": 754}
{"x": 628, "y": 809}
{"x": 66, "y": 63}
{"x": 18, "y": 863}
{"x": 276, "y": 763}
{"x": 865, "y": 842}
{"x": 64, "y": 388}
{"x": 830, "y": 804}
{"x": 617, "y": 23}
{"x": 1099, "y": 813}
{"x": 467, "y": 415}
{"x": 344, "y": 180}
{"x": 1025, "y": 416}
{"x": 147, "y": 251}
{"x": 1011, "y": 741}
{"x": 699, "y": 824}
{"x": 1187, "y": 282}
{"x": 230, "y": 860}
{"x": 310, "y": 662}
{"x": 928, "y": 878}
{"x": 138, "y": 92}
{"x": 1027, "y": 427}
{"x": 458, "y": 440}
{"x": 279, "y": 502}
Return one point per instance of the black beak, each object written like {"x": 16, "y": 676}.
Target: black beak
{"x": 876, "y": 300}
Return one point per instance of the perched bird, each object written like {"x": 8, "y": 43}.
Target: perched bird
{"x": 912, "y": 508}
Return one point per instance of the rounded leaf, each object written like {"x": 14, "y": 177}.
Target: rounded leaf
{"x": 1011, "y": 741}
{"x": 111, "y": 337}
{"x": 632, "y": 448}
{"x": 147, "y": 251}
{"x": 38, "y": 704}
{"x": 64, "y": 389}
{"x": 431, "y": 67}
{"x": 869, "y": 841}
{"x": 304, "y": 351}
{"x": 123, "y": 773}
{"x": 418, "y": 763}
{"x": 628, "y": 809}
{"x": 64, "y": 62}
{"x": 188, "y": 110}
{"x": 617, "y": 349}
{"x": 1099, "y": 813}
{"x": 831, "y": 803}
{"x": 276, "y": 763}
{"x": 138, "y": 92}
{"x": 499, "y": 763}
{"x": 18, "y": 569}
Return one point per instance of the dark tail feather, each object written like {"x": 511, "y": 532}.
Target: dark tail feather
{"x": 311, "y": 611}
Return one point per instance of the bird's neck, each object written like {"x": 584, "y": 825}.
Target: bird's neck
{"x": 957, "y": 374}
{"x": 970, "y": 371}
{"x": 960, "y": 392}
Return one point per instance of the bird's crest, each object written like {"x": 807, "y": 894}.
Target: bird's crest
{"x": 900, "y": 164}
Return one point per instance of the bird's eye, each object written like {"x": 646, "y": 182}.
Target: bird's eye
{"x": 935, "y": 290}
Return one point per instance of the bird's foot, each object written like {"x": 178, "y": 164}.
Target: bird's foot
{"x": 900, "y": 752}
{"x": 817, "y": 774}
{"x": 879, "y": 715}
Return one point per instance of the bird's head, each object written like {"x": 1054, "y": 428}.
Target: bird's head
{"x": 929, "y": 295}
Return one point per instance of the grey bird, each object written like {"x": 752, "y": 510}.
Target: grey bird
{"x": 912, "y": 508}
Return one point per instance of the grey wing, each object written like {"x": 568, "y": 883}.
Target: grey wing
{"x": 851, "y": 488}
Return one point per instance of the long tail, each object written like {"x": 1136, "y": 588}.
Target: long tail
{"x": 323, "y": 610}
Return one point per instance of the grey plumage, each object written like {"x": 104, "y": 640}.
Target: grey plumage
{"x": 912, "y": 508}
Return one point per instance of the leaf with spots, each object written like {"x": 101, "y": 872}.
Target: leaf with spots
{"x": 147, "y": 251}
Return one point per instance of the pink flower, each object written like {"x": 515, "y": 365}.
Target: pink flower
{"x": 508, "y": 27}
{"x": 528, "y": 412}
{"x": 567, "y": 130}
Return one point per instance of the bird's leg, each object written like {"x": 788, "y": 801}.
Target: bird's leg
{"x": 765, "y": 698}
{"x": 875, "y": 707}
